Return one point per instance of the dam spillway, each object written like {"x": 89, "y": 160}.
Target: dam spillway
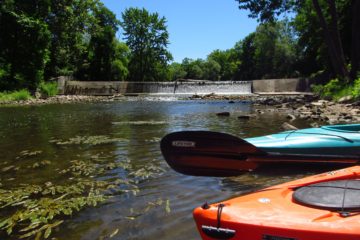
{"x": 155, "y": 88}
{"x": 184, "y": 88}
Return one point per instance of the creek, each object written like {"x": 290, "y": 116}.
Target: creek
{"x": 42, "y": 145}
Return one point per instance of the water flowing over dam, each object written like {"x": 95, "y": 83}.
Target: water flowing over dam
{"x": 201, "y": 87}
{"x": 183, "y": 87}
{"x": 158, "y": 88}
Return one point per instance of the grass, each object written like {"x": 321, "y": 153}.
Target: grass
{"x": 15, "y": 95}
{"x": 49, "y": 89}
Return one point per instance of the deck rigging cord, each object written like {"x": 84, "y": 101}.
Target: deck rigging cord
{"x": 322, "y": 134}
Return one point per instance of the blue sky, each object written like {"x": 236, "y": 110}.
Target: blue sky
{"x": 196, "y": 27}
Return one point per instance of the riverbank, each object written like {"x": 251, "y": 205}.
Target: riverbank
{"x": 63, "y": 99}
{"x": 303, "y": 106}
{"x": 319, "y": 111}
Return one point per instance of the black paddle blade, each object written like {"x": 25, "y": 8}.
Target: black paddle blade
{"x": 205, "y": 153}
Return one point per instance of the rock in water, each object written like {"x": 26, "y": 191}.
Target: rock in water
{"x": 223, "y": 114}
{"x": 288, "y": 126}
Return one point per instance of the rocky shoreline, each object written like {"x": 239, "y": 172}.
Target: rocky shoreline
{"x": 308, "y": 107}
{"x": 305, "y": 106}
{"x": 317, "y": 110}
{"x": 63, "y": 99}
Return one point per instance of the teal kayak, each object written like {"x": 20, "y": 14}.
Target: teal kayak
{"x": 342, "y": 140}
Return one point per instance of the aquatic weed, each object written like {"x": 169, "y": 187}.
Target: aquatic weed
{"x": 34, "y": 210}
{"x": 88, "y": 140}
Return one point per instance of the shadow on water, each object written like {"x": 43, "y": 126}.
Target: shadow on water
{"x": 130, "y": 131}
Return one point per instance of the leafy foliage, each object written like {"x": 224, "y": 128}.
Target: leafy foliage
{"x": 48, "y": 89}
{"x": 15, "y": 95}
{"x": 147, "y": 37}
{"x": 269, "y": 52}
{"x": 102, "y": 44}
{"x": 335, "y": 89}
{"x": 44, "y": 39}
{"x": 24, "y": 43}
{"x": 356, "y": 89}
{"x": 267, "y": 10}
{"x": 326, "y": 30}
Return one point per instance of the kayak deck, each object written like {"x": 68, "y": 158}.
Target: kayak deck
{"x": 343, "y": 128}
{"x": 273, "y": 214}
{"x": 326, "y": 140}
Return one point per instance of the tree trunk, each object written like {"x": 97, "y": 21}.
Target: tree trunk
{"x": 355, "y": 48}
{"x": 338, "y": 64}
{"x": 337, "y": 39}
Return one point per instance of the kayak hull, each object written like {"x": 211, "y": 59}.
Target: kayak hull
{"x": 326, "y": 140}
{"x": 272, "y": 214}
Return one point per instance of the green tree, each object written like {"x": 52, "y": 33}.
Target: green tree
{"x": 235, "y": 58}
{"x": 275, "y": 50}
{"x": 247, "y": 68}
{"x": 228, "y": 62}
{"x": 24, "y": 43}
{"x": 328, "y": 20}
{"x": 98, "y": 54}
{"x": 69, "y": 22}
{"x": 312, "y": 50}
{"x": 193, "y": 68}
{"x": 211, "y": 70}
{"x": 269, "y": 52}
{"x": 102, "y": 44}
{"x": 177, "y": 71}
{"x": 147, "y": 37}
{"x": 119, "y": 67}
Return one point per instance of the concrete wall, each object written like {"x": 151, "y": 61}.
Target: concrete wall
{"x": 110, "y": 88}
{"x": 93, "y": 88}
{"x": 69, "y": 87}
{"x": 281, "y": 85}
{"x": 99, "y": 88}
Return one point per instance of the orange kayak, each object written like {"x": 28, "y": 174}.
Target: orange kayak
{"x": 320, "y": 207}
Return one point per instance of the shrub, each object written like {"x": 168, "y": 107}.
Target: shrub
{"x": 356, "y": 89}
{"x": 21, "y": 95}
{"x": 317, "y": 89}
{"x": 15, "y": 96}
{"x": 48, "y": 89}
{"x": 334, "y": 89}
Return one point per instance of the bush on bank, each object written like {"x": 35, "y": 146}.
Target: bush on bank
{"x": 336, "y": 89}
{"x": 48, "y": 89}
{"x": 15, "y": 95}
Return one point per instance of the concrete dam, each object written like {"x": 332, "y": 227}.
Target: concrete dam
{"x": 190, "y": 87}
{"x": 155, "y": 88}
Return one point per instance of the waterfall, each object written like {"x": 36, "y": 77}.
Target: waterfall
{"x": 200, "y": 87}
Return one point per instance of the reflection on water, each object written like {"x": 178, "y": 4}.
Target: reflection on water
{"x": 162, "y": 209}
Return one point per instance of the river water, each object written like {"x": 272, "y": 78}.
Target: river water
{"x": 162, "y": 207}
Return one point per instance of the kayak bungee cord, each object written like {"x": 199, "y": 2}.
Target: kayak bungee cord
{"x": 220, "y": 208}
{"x": 342, "y": 212}
{"x": 217, "y": 232}
{"x": 323, "y": 134}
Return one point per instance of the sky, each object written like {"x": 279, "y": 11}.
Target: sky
{"x": 196, "y": 27}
